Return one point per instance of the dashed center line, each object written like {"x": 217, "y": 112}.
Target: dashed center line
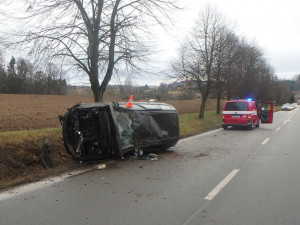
{"x": 265, "y": 141}
{"x": 221, "y": 185}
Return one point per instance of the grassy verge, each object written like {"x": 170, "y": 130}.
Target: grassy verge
{"x": 190, "y": 124}
{"x": 20, "y": 150}
{"x": 277, "y": 108}
{"x": 19, "y": 156}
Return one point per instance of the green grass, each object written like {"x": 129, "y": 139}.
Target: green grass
{"x": 190, "y": 124}
{"x": 277, "y": 108}
{"x": 19, "y": 136}
{"x": 20, "y": 156}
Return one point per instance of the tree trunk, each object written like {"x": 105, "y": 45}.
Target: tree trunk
{"x": 100, "y": 89}
{"x": 101, "y": 94}
{"x": 95, "y": 88}
{"x": 95, "y": 94}
{"x": 202, "y": 108}
{"x": 218, "y": 103}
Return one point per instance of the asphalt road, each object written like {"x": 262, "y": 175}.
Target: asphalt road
{"x": 222, "y": 177}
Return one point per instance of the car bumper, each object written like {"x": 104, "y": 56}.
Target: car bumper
{"x": 236, "y": 124}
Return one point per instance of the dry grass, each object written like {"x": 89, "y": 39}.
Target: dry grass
{"x": 19, "y": 156}
{"x": 26, "y": 112}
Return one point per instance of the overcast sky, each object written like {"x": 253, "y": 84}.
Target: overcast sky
{"x": 273, "y": 24}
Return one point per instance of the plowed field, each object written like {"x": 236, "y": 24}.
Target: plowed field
{"x": 22, "y": 112}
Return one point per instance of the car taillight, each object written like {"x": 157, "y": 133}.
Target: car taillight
{"x": 249, "y": 116}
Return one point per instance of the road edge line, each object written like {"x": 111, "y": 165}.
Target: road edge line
{"x": 12, "y": 192}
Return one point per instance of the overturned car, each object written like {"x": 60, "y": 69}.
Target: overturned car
{"x": 98, "y": 130}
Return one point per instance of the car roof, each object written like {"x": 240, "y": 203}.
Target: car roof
{"x": 147, "y": 106}
{"x": 136, "y": 106}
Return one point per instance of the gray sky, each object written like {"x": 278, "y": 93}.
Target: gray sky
{"x": 272, "y": 24}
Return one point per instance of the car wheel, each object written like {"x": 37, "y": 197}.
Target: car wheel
{"x": 72, "y": 140}
{"x": 225, "y": 127}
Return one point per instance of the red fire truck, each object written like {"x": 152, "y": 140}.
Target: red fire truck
{"x": 245, "y": 113}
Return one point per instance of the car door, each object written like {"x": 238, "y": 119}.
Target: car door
{"x": 266, "y": 112}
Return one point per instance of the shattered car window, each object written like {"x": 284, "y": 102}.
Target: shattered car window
{"x": 124, "y": 123}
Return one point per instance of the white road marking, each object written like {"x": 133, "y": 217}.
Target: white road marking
{"x": 188, "y": 139}
{"x": 221, "y": 185}
{"x": 278, "y": 128}
{"x": 292, "y": 115}
{"x": 40, "y": 184}
{"x": 265, "y": 141}
{"x": 289, "y": 119}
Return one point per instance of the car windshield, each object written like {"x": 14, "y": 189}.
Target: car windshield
{"x": 236, "y": 106}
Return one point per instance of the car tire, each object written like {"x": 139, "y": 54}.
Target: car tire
{"x": 72, "y": 140}
{"x": 225, "y": 127}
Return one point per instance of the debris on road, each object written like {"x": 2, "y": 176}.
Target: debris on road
{"x": 45, "y": 156}
{"x": 152, "y": 156}
{"x": 138, "y": 153}
{"x": 100, "y": 166}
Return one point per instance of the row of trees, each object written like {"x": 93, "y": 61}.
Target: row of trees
{"x": 104, "y": 37}
{"x": 281, "y": 91}
{"x": 223, "y": 64}
{"x": 163, "y": 92}
{"x": 95, "y": 36}
{"x": 21, "y": 77}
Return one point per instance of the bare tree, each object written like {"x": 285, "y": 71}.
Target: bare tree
{"x": 297, "y": 82}
{"x": 280, "y": 92}
{"x": 226, "y": 58}
{"x": 265, "y": 82}
{"x": 2, "y": 73}
{"x": 198, "y": 55}
{"x": 250, "y": 69}
{"x": 95, "y": 34}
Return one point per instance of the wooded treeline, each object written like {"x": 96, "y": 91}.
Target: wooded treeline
{"x": 22, "y": 77}
{"x": 103, "y": 38}
{"x": 224, "y": 64}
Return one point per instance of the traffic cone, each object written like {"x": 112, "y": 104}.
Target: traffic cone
{"x": 129, "y": 104}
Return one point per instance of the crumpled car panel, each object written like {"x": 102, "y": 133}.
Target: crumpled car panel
{"x": 99, "y": 131}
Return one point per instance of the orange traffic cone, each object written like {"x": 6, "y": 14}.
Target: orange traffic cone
{"x": 130, "y": 102}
